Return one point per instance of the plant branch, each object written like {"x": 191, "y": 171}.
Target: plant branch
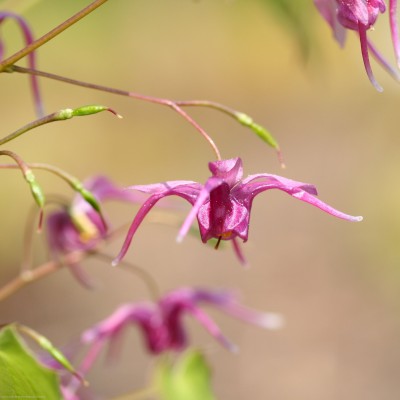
{"x": 175, "y": 105}
{"x": 50, "y": 35}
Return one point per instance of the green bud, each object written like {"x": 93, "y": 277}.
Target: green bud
{"x": 36, "y": 190}
{"x": 68, "y": 113}
{"x": 264, "y": 135}
{"x": 45, "y": 344}
{"x": 87, "y": 195}
{"x": 261, "y": 132}
{"x": 88, "y": 110}
{"x": 64, "y": 114}
{"x": 244, "y": 119}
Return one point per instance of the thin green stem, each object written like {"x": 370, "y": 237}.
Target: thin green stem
{"x": 50, "y": 35}
{"x": 175, "y": 105}
{"x": 60, "y": 115}
{"x": 70, "y": 179}
{"x": 34, "y": 124}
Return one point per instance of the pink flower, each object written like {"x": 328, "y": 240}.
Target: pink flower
{"x": 161, "y": 323}
{"x": 361, "y": 15}
{"x": 80, "y": 227}
{"x": 222, "y": 205}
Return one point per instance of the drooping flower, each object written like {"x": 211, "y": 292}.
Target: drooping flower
{"x": 80, "y": 227}
{"x": 161, "y": 323}
{"x": 360, "y": 16}
{"x": 223, "y": 204}
{"x": 28, "y": 37}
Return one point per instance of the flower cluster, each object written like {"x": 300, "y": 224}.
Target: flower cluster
{"x": 222, "y": 205}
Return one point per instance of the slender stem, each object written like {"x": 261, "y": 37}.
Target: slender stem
{"x": 50, "y": 35}
{"x": 32, "y": 275}
{"x": 70, "y": 179}
{"x": 34, "y": 124}
{"x": 28, "y": 277}
{"x": 209, "y": 104}
{"x": 21, "y": 164}
{"x": 175, "y": 105}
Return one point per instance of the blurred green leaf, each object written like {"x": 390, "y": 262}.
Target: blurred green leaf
{"x": 21, "y": 374}
{"x": 188, "y": 379}
{"x": 296, "y": 15}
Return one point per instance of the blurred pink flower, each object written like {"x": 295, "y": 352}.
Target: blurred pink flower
{"x": 361, "y": 15}
{"x": 162, "y": 323}
{"x": 80, "y": 227}
{"x": 222, "y": 205}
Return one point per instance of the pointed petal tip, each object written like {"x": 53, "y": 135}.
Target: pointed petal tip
{"x": 272, "y": 321}
{"x": 115, "y": 262}
{"x": 179, "y": 238}
{"x": 358, "y": 219}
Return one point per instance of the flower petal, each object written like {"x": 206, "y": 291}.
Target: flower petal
{"x": 239, "y": 253}
{"x": 306, "y": 197}
{"x": 103, "y": 189}
{"x": 248, "y": 189}
{"x": 328, "y": 9}
{"x": 186, "y": 191}
{"x": 394, "y": 29}
{"x": 362, "y": 31}
{"x": 276, "y": 179}
{"x": 231, "y": 171}
{"x": 211, "y": 327}
{"x": 202, "y": 197}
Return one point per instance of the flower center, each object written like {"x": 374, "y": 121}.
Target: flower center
{"x": 86, "y": 228}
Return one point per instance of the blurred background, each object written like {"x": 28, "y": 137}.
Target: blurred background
{"x": 337, "y": 283}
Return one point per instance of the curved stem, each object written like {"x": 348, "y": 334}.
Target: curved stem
{"x": 68, "y": 178}
{"x": 28, "y": 277}
{"x": 34, "y": 124}
{"x": 50, "y": 35}
{"x": 175, "y": 105}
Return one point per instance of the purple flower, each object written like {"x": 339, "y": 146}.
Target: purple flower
{"x": 28, "y": 36}
{"x": 80, "y": 227}
{"x": 161, "y": 323}
{"x": 361, "y": 15}
{"x": 223, "y": 204}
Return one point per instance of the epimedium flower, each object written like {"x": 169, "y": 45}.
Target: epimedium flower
{"x": 161, "y": 323}
{"x": 222, "y": 205}
{"x": 79, "y": 227}
{"x": 360, "y": 16}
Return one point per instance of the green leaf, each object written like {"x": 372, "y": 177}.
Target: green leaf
{"x": 22, "y": 376}
{"x": 188, "y": 379}
{"x": 296, "y": 15}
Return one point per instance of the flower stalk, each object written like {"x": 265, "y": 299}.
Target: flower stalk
{"x": 176, "y": 105}
{"x": 50, "y": 35}
{"x": 61, "y": 115}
